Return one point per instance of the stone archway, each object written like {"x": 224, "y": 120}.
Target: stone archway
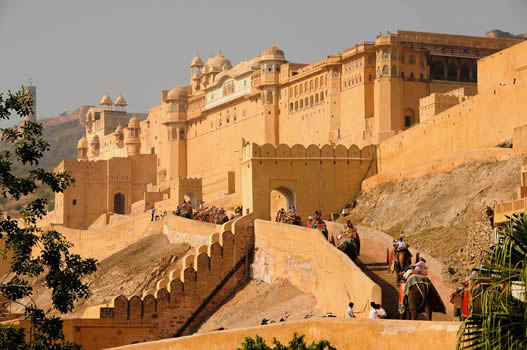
{"x": 281, "y": 197}
{"x": 119, "y": 203}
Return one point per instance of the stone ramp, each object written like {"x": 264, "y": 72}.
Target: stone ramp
{"x": 377, "y": 270}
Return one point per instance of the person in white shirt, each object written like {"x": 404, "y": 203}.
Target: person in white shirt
{"x": 349, "y": 311}
{"x": 381, "y": 312}
{"x": 373, "y": 312}
{"x": 401, "y": 243}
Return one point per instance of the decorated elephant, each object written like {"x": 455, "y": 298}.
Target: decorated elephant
{"x": 418, "y": 295}
{"x": 468, "y": 299}
{"x": 347, "y": 245}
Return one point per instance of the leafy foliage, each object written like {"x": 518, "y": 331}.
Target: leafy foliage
{"x": 502, "y": 321}
{"x": 30, "y": 251}
{"x": 297, "y": 343}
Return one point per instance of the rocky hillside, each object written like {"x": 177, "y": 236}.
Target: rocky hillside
{"x": 447, "y": 215}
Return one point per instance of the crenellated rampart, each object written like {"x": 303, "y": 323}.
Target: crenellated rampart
{"x": 193, "y": 291}
{"x": 311, "y": 152}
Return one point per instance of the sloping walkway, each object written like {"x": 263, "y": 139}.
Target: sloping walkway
{"x": 377, "y": 270}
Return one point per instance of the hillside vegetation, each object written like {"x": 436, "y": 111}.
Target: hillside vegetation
{"x": 447, "y": 215}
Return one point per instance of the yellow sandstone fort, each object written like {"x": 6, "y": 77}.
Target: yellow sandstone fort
{"x": 266, "y": 134}
{"x": 323, "y": 115}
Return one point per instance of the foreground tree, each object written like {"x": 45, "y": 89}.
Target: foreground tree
{"x": 297, "y": 343}
{"x": 31, "y": 252}
{"x": 502, "y": 321}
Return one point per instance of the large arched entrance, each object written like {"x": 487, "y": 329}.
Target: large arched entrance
{"x": 281, "y": 198}
{"x": 118, "y": 203}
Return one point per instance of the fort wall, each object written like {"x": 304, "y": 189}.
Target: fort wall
{"x": 355, "y": 334}
{"x": 191, "y": 293}
{"x": 302, "y": 256}
{"x": 312, "y": 178}
{"x": 482, "y": 121}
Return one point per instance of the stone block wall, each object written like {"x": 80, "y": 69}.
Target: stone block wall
{"x": 190, "y": 293}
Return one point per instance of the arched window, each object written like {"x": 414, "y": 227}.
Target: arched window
{"x": 322, "y": 96}
{"x": 296, "y": 106}
{"x": 305, "y": 87}
{"x": 301, "y": 103}
{"x": 311, "y": 100}
{"x": 311, "y": 84}
{"x": 296, "y": 91}
{"x": 291, "y": 107}
{"x": 301, "y": 89}
{"x": 385, "y": 55}
{"x": 409, "y": 117}
{"x": 290, "y": 92}
{"x": 316, "y": 83}
{"x": 221, "y": 123}
{"x": 316, "y": 98}
{"x": 385, "y": 70}
{"x": 306, "y": 102}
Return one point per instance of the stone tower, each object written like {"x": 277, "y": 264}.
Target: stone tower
{"x": 270, "y": 62}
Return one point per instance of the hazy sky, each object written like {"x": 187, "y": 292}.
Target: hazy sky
{"x": 76, "y": 50}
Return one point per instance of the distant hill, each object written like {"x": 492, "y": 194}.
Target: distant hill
{"x": 500, "y": 34}
{"x": 62, "y": 133}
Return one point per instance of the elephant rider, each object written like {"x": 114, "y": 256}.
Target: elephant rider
{"x": 310, "y": 222}
{"x": 418, "y": 268}
{"x": 401, "y": 244}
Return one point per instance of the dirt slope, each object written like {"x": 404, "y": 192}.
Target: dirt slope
{"x": 259, "y": 300}
{"x": 443, "y": 214}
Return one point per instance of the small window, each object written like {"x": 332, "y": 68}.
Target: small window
{"x": 407, "y": 121}
{"x": 74, "y": 202}
{"x": 412, "y": 75}
{"x": 421, "y": 76}
{"x": 153, "y": 150}
{"x": 411, "y": 60}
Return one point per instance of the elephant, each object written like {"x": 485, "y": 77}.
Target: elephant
{"x": 468, "y": 299}
{"x": 348, "y": 247}
{"x": 420, "y": 297}
{"x": 403, "y": 259}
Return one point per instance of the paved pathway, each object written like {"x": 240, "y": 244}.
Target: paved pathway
{"x": 378, "y": 271}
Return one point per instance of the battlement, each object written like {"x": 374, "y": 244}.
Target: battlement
{"x": 196, "y": 288}
{"x": 311, "y": 152}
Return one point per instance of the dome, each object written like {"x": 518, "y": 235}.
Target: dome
{"x": 177, "y": 93}
{"x": 133, "y": 123}
{"x": 273, "y": 52}
{"x": 120, "y": 101}
{"x": 196, "y": 62}
{"x": 106, "y": 100}
{"x": 219, "y": 62}
{"x": 83, "y": 143}
{"x": 94, "y": 140}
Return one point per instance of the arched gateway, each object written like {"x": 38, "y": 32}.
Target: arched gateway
{"x": 313, "y": 178}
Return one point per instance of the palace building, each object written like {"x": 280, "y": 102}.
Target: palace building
{"x": 361, "y": 96}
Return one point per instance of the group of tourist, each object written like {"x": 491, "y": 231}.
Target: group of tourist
{"x": 376, "y": 311}
{"x": 212, "y": 215}
{"x": 288, "y": 217}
